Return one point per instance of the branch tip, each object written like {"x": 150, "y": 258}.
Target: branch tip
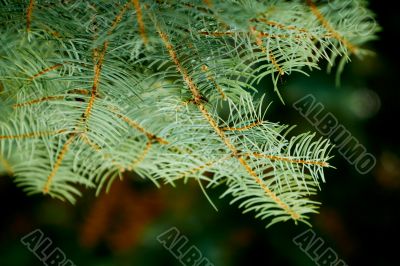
{"x": 317, "y": 13}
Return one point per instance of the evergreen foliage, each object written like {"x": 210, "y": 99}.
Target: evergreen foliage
{"x": 90, "y": 89}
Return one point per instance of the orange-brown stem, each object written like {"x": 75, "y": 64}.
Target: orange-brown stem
{"x": 140, "y": 22}
{"x": 32, "y": 135}
{"x": 99, "y": 57}
{"x": 285, "y": 159}
{"x": 29, "y": 15}
{"x": 199, "y": 168}
{"x": 317, "y": 13}
{"x": 258, "y": 35}
{"x": 142, "y": 156}
{"x": 204, "y": 68}
{"x": 261, "y": 35}
{"x": 279, "y": 25}
{"x": 35, "y": 101}
{"x": 193, "y": 88}
{"x": 254, "y": 124}
{"x": 60, "y": 157}
{"x": 44, "y": 71}
{"x": 96, "y": 79}
{"x": 141, "y": 129}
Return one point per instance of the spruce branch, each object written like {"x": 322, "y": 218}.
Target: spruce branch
{"x": 91, "y": 89}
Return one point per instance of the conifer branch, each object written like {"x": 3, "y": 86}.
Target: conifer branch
{"x": 36, "y": 101}
{"x": 44, "y": 71}
{"x": 139, "y": 15}
{"x": 197, "y": 100}
{"x": 60, "y": 157}
{"x": 314, "y": 9}
{"x": 96, "y": 79}
{"x": 137, "y": 126}
{"x": 50, "y": 98}
{"x": 204, "y": 166}
{"x": 278, "y": 158}
{"x": 183, "y": 107}
{"x": 99, "y": 64}
{"x": 142, "y": 156}
{"x": 36, "y": 134}
{"x": 205, "y": 69}
{"x": 29, "y": 15}
{"x": 279, "y": 25}
{"x": 254, "y": 124}
{"x": 86, "y": 139}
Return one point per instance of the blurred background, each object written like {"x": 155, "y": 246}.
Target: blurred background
{"x": 359, "y": 218}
